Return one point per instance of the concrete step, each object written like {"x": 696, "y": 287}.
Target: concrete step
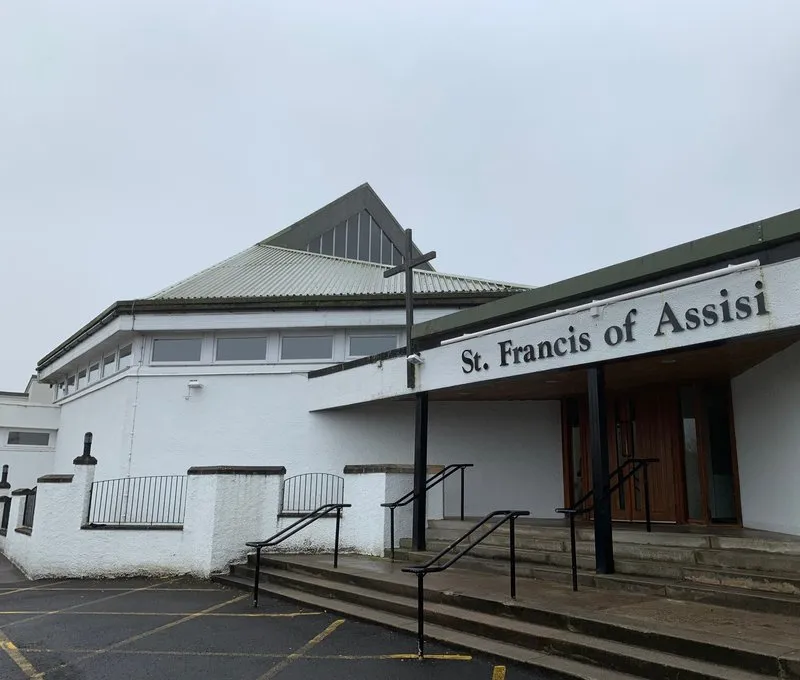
{"x": 620, "y": 647}
{"x": 749, "y": 560}
{"x": 552, "y": 666}
{"x": 635, "y": 550}
{"x": 770, "y": 593}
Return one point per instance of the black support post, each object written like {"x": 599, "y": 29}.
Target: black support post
{"x": 598, "y": 445}
{"x": 420, "y": 471}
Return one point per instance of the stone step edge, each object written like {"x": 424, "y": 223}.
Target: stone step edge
{"x": 746, "y": 599}
{"x": 605, "y": 626}
{"x": 523, "y": 555}
{"x": 558, "y": 667}
{"x": 610, "y": 653}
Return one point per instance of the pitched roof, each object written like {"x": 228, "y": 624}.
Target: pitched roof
{"x": 359, "y": 207}
{"x": 265, "y": 271}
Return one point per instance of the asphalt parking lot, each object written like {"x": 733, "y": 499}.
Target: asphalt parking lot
{"x": 183, "y": 629}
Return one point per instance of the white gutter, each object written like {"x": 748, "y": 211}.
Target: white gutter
{"x": 607, "y": 301}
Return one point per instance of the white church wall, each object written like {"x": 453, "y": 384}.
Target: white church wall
{"x": 767, "y": 429}
{"x": 107, "y": 411}
{"x": 263, "y": 420}
{"x": 27, "y": 463}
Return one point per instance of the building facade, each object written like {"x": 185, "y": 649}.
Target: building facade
{"x": 291, "y": 356}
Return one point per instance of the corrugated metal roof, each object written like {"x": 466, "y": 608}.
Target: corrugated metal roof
{"x": 271, "y": 271}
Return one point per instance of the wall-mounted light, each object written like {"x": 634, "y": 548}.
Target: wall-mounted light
{"x": 415, "y": 359}
{"x": 193, "y": 384}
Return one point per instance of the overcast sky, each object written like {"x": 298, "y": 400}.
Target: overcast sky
{"x": 524, "y": 140}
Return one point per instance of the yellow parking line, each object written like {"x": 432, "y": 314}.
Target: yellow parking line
{"x": 264, "y": 615}
{"x": 140, "y": 636}
{"x": 313, "y": 642}
{"x": 17, "y": 657}
{"x": 499, "y": 673}
{"x": 438, "y": 657}
{"x": 22, "y": 590}
{"x": 36, "y": 617}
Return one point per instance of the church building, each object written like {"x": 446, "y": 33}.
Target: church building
{"x": 679, "y": 367}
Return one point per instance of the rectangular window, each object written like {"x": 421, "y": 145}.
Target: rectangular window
{"x": 81, "y": 379}
{"x": 109, "y": 364}
{"x": 70, "y": 384}
{"x": 340, "y": 240}
{"x": 241, "y": 349}
{"x": 94, "y": 372}
{"x": 125, "y": 357}
{"x": 301, "y": 347}
{"x": 363, "y": 235}
{"x": 177, "y": 349}
{"x": 352, "y": 237}
{"x": 28, "y": 438}
{"x": 60, "y": 390}
{"x": 367, "y": 345}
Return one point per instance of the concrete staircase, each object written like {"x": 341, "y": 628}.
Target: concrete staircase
{"x": 756, "y": 572}
{"x": 660, "y": 618}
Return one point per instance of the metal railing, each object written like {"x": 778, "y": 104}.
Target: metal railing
{"x": 291, "y": 530}
{"x": 432, "y": 565}
{"x": 304, "y": 493}
{"x": 431, "y": 482}
{"x": 6, "y": 501}
{"x": 576, "y": 508}
{"x": 29, "y": 509}
{"x": 138, "y": 500}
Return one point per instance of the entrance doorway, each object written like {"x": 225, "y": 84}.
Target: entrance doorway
{"x": 687, "y": 428}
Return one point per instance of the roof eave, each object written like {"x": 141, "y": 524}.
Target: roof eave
{"x": 726, "y": 245}
{"x": 188, "y": 305}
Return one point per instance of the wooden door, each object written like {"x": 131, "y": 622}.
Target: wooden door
{"x": 644, "y": 424}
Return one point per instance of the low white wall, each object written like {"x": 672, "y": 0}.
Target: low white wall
{"x": 223, "y": 510}
{"x": 765, "y": 400}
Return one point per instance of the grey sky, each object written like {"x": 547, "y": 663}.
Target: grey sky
{"x": 525, "y": 141}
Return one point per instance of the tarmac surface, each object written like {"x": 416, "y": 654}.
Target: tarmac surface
{"x": 184, "y": 629}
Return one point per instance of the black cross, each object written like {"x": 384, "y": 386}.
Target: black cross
{"x": 409, "y": 262}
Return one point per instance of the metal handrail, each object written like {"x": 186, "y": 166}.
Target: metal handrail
{"x": 432, "y": 481}
{"x": 431, "y": 566}
{"x": 575, "y": 509}
{"x": 291, "y": 530}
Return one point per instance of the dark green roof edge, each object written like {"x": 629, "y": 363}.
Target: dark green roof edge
{"x": 711, "y": 249}
{"x": 170, "y": 306}
{"x": 296, "y": 236}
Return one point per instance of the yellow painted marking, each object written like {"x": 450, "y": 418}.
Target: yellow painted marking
{"x": 313, "y": 642}
{"x": 438, "y": 657}
{"x": 254, "y": 655}
{"x": 259, "y": 615}
{"x": 499, "y": 673}
{"x": 17, "y": 657}
{"x": 36, "y": 617}
{"x": 148, "y": 633}
{"x": 22, "y": 590}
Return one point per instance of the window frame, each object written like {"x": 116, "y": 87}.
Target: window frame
{"x": 368, "y": 334}
{"x": 25, "y": 430}
{"x": 308, "y": 334}
{"x": 179, "y": 362}
{"x": 241, "y": 336}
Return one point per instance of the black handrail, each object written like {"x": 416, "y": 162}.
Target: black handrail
{"x": 291, "y": 530}
{"x": 432, "y": 481}
{"x": 576, "y": 509}
{"x": 431, "y": 565}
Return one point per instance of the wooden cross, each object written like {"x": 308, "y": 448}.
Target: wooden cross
{"x": 409, "y": 262}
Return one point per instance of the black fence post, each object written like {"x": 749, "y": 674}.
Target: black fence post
{"x": 574, "y": 551}
{"x": 391, "y": 529}
{"x": 462, "y": 494}
{"x": 513, "y": 554}
{"x": 255, "y": 578}
{"x": 646, "y": 498}
{"x": 336, "y": 541}
{"x": 420, "y": 615}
